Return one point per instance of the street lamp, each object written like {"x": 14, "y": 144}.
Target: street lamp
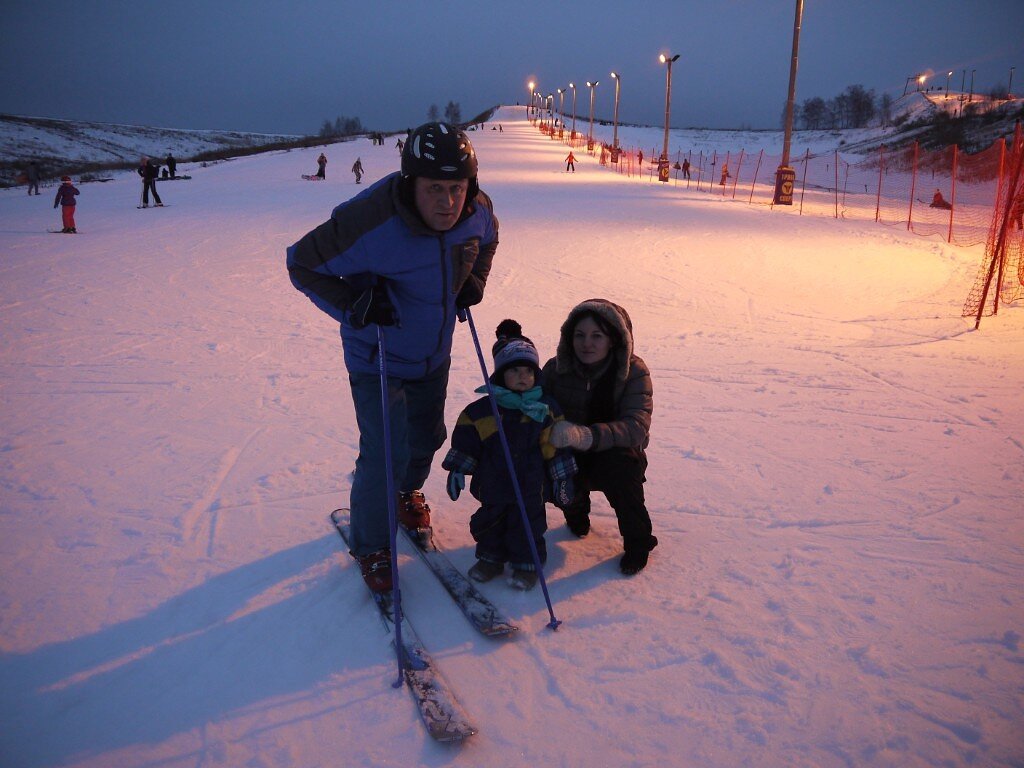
{"x": 615, "y": 118}
{"x": 532, "y": 86}
{"x": 573, "y": 134}
{"x": 970, "y": 99}
{"x": 920, "y": 81}
{"x": 590, "y": 136}
{"x": 663, "y": 161}
{"x": 1009, "y": 88}
{"x": 785, "y": 176}
{"x": 948, "y": 75}
{"x": 549, "y": 105}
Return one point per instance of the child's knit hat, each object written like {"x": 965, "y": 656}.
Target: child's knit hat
{"x": 512, "y": 348}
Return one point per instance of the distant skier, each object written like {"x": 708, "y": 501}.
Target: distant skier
{"x": 400, "y": 144}
{"x": 321, "y": 167}
{"x": 32, "y": 174}
{"x": 357, "y": 169}
{"x": 640, "y": 157}
{"x": 686, "y": 169}
{"x": 938, "y": 201}
{"x": 66, "y": 193}
{"x": 570, "y": 163}
{"x": 149, "y": 171}
{"x": 172, "y": 165}
{"x": 725, "y": 174}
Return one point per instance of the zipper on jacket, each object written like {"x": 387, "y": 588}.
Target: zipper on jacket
{"x": 444, "y": 292}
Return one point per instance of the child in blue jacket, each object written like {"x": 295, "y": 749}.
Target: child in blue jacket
{"x": 542, "y": 471}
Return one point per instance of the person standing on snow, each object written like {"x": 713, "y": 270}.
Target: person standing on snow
{"x": 405, "y": 254}
{"x": 357, "y": 169}
{"x": 570, "y": 162}
{"x": 606, "y": 395}
{"x": 542, "y": 471}
{"x": 66, "y": 193}
{"x": 32, "y": 174}
{"x": 321, "y": 167}
{"x": 172, "y": 165}
{"x": 149, "y": 171}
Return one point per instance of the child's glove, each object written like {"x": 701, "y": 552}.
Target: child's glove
{"x": 565, "y": 434}
{"x": 563, "y": 491}
{"x": 372, "y": 306}
{"x": 456, "y": 483}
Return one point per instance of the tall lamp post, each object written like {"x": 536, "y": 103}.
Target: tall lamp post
{"x": 572, "y": 135}
{"x": 948, "y": 75}
{"x": 615, "y": 117}
{"x": 663, "y": 160}
{"x": 785, "y": 175}
{"x": 590, "y": 136}
{"x": 549, "y": 104}
{"x": 530, "y": 106}
{"x": 561, "y": 111}
{"x": 1009, "y": 88}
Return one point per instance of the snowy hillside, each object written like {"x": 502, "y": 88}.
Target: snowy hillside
{"x": 62, "y": 144}
{"x": 836, "y": 473}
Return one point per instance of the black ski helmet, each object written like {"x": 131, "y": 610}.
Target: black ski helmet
{"x": 439, "y": 151}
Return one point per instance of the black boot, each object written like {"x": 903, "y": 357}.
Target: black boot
{"x": 635, "y": 558}
{"x": 578, "y": 524}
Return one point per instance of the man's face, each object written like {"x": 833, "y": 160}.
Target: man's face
{"x": 440, "y": 201}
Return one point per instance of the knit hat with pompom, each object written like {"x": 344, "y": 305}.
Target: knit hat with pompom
{"x": 512, "y": 348}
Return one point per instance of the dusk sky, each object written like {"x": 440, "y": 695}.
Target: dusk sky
{"x": 285, "y": 67}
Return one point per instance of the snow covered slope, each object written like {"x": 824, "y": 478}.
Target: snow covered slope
{"x": 836, "y": 469}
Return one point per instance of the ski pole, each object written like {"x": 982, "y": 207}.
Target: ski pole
{"x": 553, "y": 624}
{"x": 396, "y": 594}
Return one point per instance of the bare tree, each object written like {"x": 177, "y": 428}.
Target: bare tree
{"x": 885, "y": 109}
{"x": 813, "y": 113}
{"x": 860, "y": 106}
{"x": 433, "y": 114}
{"x": 453, "y": 113}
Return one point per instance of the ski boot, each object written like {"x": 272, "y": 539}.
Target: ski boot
{"x": 376, "y": 570}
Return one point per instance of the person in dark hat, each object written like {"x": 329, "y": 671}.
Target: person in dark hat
{"x": 542, "y": 471}
{"x": 404, "y": 255}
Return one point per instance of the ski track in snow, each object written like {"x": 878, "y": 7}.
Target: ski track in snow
{"x": 835, "y": 480}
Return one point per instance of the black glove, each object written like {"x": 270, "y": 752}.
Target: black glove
{"x": 372, "y": 306}
{"x": 471, "y": 294}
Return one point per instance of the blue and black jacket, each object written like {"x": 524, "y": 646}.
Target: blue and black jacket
{"x": 377, "y": 236}
{"x": 476, "y": 450}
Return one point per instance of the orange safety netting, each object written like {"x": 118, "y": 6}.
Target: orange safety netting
{"x": 964, "y": 199}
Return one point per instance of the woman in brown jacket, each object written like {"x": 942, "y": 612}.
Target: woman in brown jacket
{"x": 606, "y": 395}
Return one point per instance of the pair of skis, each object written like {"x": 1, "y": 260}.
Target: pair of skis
{"x": 440, "y": 711}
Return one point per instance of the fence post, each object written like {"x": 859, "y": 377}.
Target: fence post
{"x": 803, "y": 182}
{"x": 878, "y": 199}
{"x": 837, "y": 183}
{"x": 952, "y": 193}
{"x": 756, "y": 171}
{"x": 736, "y": 178}
{"x": 913, "y": 189}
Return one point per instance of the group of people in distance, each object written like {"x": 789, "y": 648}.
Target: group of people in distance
{"x": 576, "y": 425}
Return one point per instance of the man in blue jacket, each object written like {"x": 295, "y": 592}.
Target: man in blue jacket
{"x": 405, "y": 255}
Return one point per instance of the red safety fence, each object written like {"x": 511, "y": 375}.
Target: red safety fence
{"x": 964, "y": 199}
